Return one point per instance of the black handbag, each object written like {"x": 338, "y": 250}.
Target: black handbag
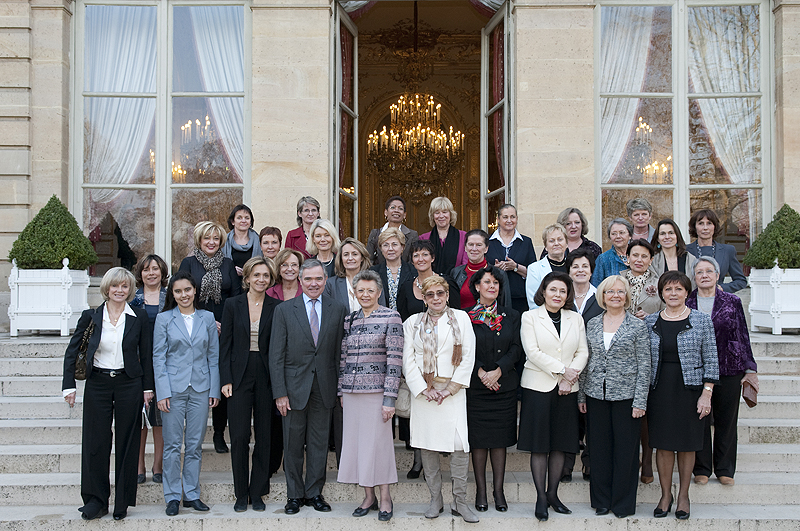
{"x": 80, "y": 362}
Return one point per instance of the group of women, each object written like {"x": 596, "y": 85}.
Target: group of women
{"x": 637, "y": 345}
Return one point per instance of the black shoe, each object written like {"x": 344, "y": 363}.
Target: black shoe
{"x": 293, "y": 505}
{"x": 621, "y": 515}
{"x": 241, "y": 505}
{"x": 500, "y": 503}
{"x": 541, "y": 514}
{"x": 385, "y": 516}
{"x": 559, "y": 507}
{"x": 585, "y": 471}
{"x": 158, "y": 477}
{"x": 659, "y": 513}
{"x": 566, "y": 478}
{"x": 258, "y": 504}
{"x": 141, "y": 478}
{"x": 602, "y": 511}
{"x": 319, "y": 504}
{"x": 173, "y": 507}
{"x": 120, "y": 516}
{"x": 682, "y": 515}
{"x": 92, "y": 512}
{"x": 219, "y": 443}
{"x": 415, "y": 471}
{"x": 197, "y": 505}
{"x": 361, "y": 511}
{"x": 481, "y": 505}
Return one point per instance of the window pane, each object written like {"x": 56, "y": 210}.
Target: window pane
{"x": 348, "y": 79}
{"x": 207, "y": 140}
{"x": 725, "y": 141}
{"x": 346, "y": 179}
{"x": 636, "y": 137}
{"x": 724, "y": 49}
{"x": 636, "y": 49}
{"x": 494, "y": 204}
{"x": 614, "y": 202}
{"x": 496, "y": 153}
{"x": 119, "y": 140}
{"x": 208, "y": 49}
{"x": 496, "y": 70}
{"x": 190, "y": 207}
{"x": 120, "y": 49}
{"x": 120, "y": 225}
{"x": 347, "y": 219}
{"x": 739, "y": 212}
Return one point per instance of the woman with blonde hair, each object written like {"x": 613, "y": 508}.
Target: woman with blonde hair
{"x": 287, "y": 273}
{"x": 217, "y": 280}
{"x": 554, "y": 238}
{"x": 393, "y": 270}
{"x": 308, "y": 211}
{"x": 448, "y": 242}
{"x": 323, "y": 244}
{"x": 438, "y": 357}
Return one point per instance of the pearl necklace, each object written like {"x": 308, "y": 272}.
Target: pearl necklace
{"x": 666, "y": 313}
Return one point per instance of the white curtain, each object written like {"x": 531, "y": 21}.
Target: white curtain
{"x": 219, "y": 42}
{"x": 624, "y": 50}
{"x": 120, "y": 56}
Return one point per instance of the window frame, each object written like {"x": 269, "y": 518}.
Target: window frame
{"x": 164, "y": 94}
{"x": 681, "y": 186}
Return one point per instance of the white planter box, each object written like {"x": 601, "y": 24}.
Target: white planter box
{"x": 774, "y": 299}
{"x": 47, "y": 299}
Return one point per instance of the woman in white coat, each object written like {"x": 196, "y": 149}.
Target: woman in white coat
{"x": 186, "y": 367}
{"x": 554, "y": 339}
{"x": 438, "y": 357}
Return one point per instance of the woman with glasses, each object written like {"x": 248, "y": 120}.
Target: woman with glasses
{"x": 577, "y": 227}
{"x": 307, "y": 213}
{"x": 287, "y": 285}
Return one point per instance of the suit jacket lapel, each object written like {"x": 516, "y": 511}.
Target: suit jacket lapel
{"x": 547, "y": 322}
{"x": 179, "y": 322}
{"x": 302, "y": 317}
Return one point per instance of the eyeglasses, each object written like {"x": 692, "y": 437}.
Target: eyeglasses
{"x": 390, "y": 245}
{"x": 435, "y": 294}
{"x": 309, "y": 211}
{"x": 370, "y": 291}
{"x": 615, "y": 292}
{"x": 287, "y": 265}
{"x": 709, "y": 272}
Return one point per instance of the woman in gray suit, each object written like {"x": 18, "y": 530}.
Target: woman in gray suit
{"x": 613, "y": 394}
{"x": 186, "y": 367}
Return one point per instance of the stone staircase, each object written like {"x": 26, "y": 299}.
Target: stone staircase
{"x": 40, "y": 467}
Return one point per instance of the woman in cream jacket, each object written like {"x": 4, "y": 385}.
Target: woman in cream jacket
{"x": 554, "y": 340}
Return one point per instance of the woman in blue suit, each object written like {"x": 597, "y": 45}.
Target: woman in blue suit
{"x": 186, "y": 367}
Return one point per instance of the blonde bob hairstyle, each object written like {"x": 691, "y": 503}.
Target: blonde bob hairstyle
{"x": 442, "y": 203}
{"x": 338, "y": 265}
{"x": 248, "y": 267}
{"x": 553, "y": 228}
{"x": 435, "y": 280}
{"x": 207, "y": 228}
{"x": 116, "y": 276}
{"x": 607, "y": 284}
{"x": 392, "y": 232}
{"x": 327, "y": 226}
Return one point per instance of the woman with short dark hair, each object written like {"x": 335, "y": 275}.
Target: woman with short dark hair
{"x": 242, "y": 242}
{"x": 706, "y": 227}
{"x": 270, "y": 239}
{"x": 395, "y": 214}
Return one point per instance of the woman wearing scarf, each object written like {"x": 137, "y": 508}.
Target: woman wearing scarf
{"x": 438, "y": 357}
{"x": 448, "y": 242}
{"x": 242, "y": 242}
{"x": 492, "y": 394}
{"x": 218, "y": 280}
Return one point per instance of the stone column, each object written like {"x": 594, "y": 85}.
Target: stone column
{"x": 291, "y": 108}
{"x": 787, "y": 102}
{"x": 554, "y": 112}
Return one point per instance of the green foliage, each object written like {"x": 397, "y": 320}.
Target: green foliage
{"x": 52, "y": 235}
{"x": 780, "y": 239}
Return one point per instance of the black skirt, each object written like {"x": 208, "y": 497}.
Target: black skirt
{"x": 548, "y": 422}
{"x": 672, "y": 419}
{"x": 491, "y": 418}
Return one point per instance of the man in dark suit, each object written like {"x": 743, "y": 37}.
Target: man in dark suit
{"x": 304, "y": 352}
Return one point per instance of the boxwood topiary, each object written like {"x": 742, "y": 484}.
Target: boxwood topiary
{"x": 52, "y": 235}
{"x": 780, "y": 239}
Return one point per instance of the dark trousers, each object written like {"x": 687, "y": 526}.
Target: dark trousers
{"x": 276, "y": 441}
{"x": 614, "y": 438}
{"x": 106, "y": 400}
{"x": 253, "y": 398}
{"x": 569, "y": 458}
{"x": 337, "y": 427}
{"x": 310, "y": 427}
{"x": 721, "y": 455}
{"x": 219, "y": 415}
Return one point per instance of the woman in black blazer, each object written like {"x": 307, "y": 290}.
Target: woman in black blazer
{"x": 244, "y": 377}
{"x": 119, "y": 381}
{"x": 392, "y": 244}
{"x": 217, "y": 279}
{"x": 492, "y": 393}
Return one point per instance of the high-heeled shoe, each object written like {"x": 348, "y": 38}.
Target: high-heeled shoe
{"x": 660, "y": 513}
{"x": 681, "y": 515}
{"x": 500, "y": 504}
{"x": 363, "y": 511}
{"x": 559, "y": 507}
{"x": 481, "y": 507}
{"x": 415, "y": 471}
{"x": 541, "y": 514}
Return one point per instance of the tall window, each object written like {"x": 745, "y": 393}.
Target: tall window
{"x": 159, "y": 125}
{"x": 683, "y": 110}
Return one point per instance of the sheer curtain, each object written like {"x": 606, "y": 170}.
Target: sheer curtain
{"x": 498, "y": 93}
{"x": 120, "y": 56}
{"x": 219, "y": 42}
{"x": 625, "y": 45}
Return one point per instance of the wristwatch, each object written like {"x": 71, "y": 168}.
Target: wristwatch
{"x": 516, "y": 267}
{"x": 707, "y": 388}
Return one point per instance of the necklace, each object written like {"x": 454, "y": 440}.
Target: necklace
{"x": 582, "y": 295}
{"x": 256, "y": 303}
{"x": 676, "y": 316}
{"x": 713, "y": 249}
{"x": 557, "y": 264}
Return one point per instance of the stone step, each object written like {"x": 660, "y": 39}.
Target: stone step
{"x": 39, "y": 407}
{"x": 772, "y": 384}
{"x": 10, "y": 366}
{"x": 519, "y": 517}
{"x": 764, "y": 344}
{"x": 42, "y": 458}
{"x": 786, "y": 366}
{"x": 33, "y": 347}
{"x": 769, "y": 407}
{"x": 33, "y": 386}
{"x": 217, "y": 487}
{"x": 768, "y": 431}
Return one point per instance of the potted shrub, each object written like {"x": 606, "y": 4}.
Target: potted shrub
{"x": 49, "y": 282}
{"x": 774, "y": 278}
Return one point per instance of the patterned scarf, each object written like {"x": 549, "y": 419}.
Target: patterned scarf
{"x": 480, "y": 314}
{"x": 637, "y": 283}
{"x": 430, "y": 344}
{"x": 393, "y": 286}
{"x": 211, "y": 286}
